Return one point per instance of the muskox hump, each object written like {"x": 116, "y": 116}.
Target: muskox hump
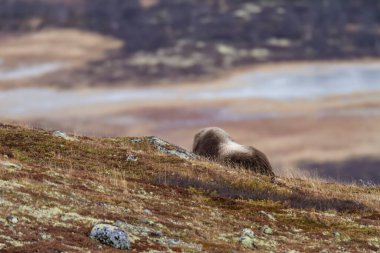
{"x": 207, "y": 142}
{"x": 215, "y": 143}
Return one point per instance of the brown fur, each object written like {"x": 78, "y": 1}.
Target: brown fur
{"x": 215, "y": 143}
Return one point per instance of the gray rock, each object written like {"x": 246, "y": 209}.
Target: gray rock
{"x": 174, "y": 242}
{"x": 248, "y": 232}
{"x": 132, "y": 158}
{"x": 136, "y": 140}
{"x": 12, "y": 219}
{"x": 148, "y": 212}
{"x": 247, "y": 242}
{"x": 170, "y": 149}
{"x": 111, "y": 236}
{"x": 63, "y": 135}
{"x": 247, "y": 238}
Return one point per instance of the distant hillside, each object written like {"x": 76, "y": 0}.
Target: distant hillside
{"x": 156, "y": 197}
{"x": 189, "y": 38}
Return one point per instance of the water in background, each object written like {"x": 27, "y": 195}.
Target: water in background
{"x": 306, "y": 82}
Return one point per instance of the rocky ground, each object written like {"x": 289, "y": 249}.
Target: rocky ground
{"x": 57, "y": 190}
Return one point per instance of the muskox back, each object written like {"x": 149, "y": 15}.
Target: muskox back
{"x": 215, "y": 143}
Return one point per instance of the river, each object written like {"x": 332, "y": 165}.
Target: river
{"x": 306, "y": 82}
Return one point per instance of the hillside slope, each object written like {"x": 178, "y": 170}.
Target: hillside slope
{"x": 55, "y": 188}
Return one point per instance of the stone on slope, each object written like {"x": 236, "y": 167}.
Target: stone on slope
{"x": 170, "y": 149}
{"x": 247, "y": 238}
{"x": 63, "y": 135}
{"x": 12, "y": 219}
{"x": 111, "y": 236}
{"x": 267, "y": 230}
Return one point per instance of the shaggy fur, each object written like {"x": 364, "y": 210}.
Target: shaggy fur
{"x": 215, "y": 143}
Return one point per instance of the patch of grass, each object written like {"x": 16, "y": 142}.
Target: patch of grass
{"x": 195, "y": 200}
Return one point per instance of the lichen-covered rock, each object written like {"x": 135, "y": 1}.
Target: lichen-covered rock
{"x": 136, "y": 140}
{"x": 63, "y": 135}
{"x": 147, "y": 212}
{"x": 12, "y": 219}
{"x": 170, "y": 149}
{"x": 132, "y": 158}
{"x": 267, "y": 230}
{"x": 247, "y": 238}
{"x": 111, "y": 236}
{"x": 247, "y": 242}
{"x": 248, "y": 232}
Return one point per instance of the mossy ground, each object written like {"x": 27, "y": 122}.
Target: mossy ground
{"x": 65, "y": 187}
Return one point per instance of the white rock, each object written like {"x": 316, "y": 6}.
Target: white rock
{"x": 111, "y": 236}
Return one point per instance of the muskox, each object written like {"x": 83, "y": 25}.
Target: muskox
{"x": 216, "y": 144}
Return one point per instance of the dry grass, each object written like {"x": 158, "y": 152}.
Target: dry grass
{"x": 296, "y": 173}
{"x": 66, "y": 186}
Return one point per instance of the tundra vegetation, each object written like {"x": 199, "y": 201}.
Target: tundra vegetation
{"x": 56, "y": 188}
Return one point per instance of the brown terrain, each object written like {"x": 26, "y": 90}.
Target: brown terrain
{"x": 335, "y": 132}
{"x": 299, "y": 80}
{"x": 55, "y": 188}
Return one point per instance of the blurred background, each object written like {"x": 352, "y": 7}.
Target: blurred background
{"x": 299, "y": 80}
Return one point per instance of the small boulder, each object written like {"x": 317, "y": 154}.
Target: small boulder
{"x": 170, "y": 149}
{"x": 63, "y": 135}
{"x": 247, "y": 238}
{"x": 174, "y": 242}
{"x": 12, "y": 219}
{"x": 111, "y": 236}
{"x": 136, "y": 140}
{"x": 247, "y": 242}
{"x": 267, "y": 230}
{"x": 248, "y": 232}
{"x": 132, "y": 158}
